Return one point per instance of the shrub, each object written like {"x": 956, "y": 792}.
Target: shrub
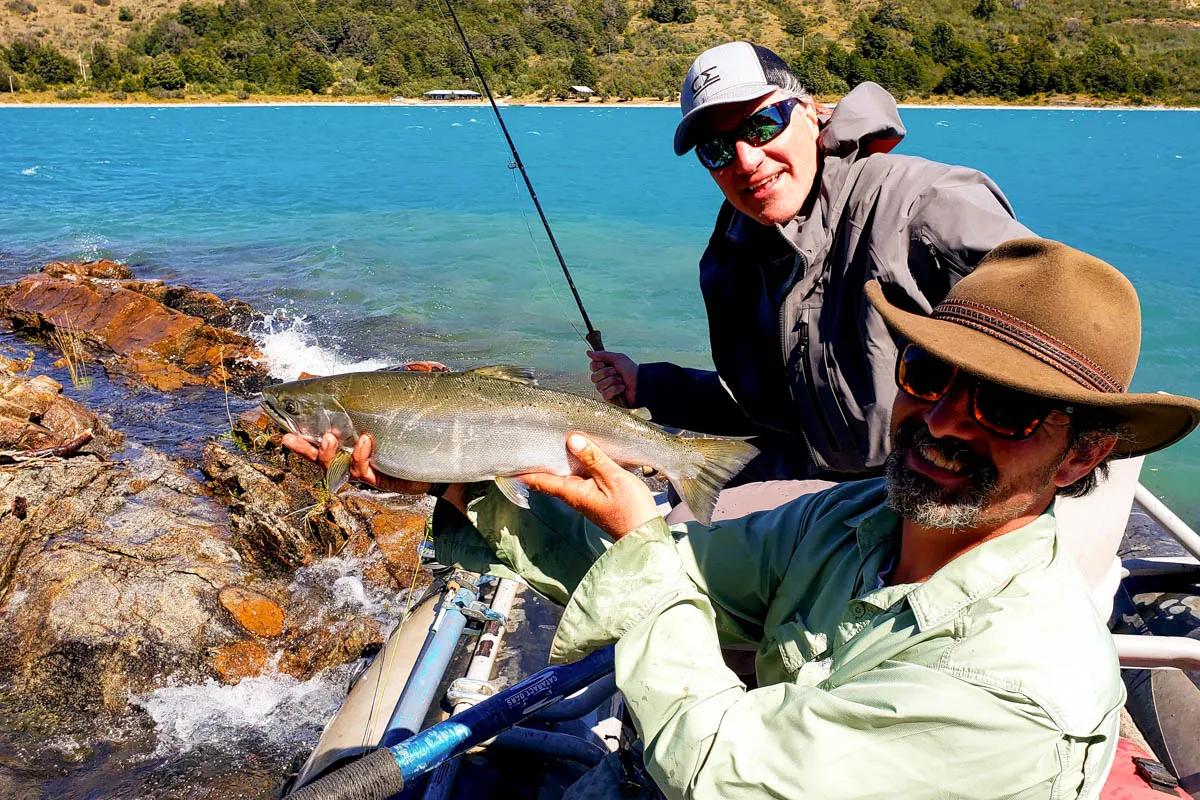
{"x": 313, "y": 73}
{"x": 165, "y": 74}
{"x": 71, "y": 93}
{"x": 672, "y": 11}
{"x": 22, "y": 7}
{"x": 130, "y": 84}
{"x": 79, "y": 8}
{"x": 124, "y": 14}
{"x": 118, "y": 95}
{"x": 8, "y": 80}
{"x": 51, "y": 66}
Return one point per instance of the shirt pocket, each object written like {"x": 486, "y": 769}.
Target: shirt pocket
{"x": 803, "y": 652}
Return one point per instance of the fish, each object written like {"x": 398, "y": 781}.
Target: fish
{"x": 492, "y": 423}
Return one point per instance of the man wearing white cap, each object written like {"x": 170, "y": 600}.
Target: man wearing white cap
{"x": 815, "y": 205}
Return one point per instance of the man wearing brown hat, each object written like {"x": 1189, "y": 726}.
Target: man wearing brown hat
{"x": 920, "y": 635}
{"x": 815, "y": 205}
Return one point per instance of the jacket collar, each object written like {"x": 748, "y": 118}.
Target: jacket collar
{"x": 866, "y": 121}
{"x": 978, "y": 573}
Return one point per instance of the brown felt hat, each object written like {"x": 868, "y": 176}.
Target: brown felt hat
{"x": 1049, "y": 320}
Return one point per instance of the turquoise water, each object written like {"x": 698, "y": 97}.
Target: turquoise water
{"x": 388, "y": 233}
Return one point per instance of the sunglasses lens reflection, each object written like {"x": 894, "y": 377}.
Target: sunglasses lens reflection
{"x": 923, "y": 375}
{"x": 1008, "y": 412}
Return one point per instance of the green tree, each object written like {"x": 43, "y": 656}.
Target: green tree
{"x": 201, "y": 67}
{"x": 20, "y": 54}
{"x": 672, "y": 11}
{"x": 390, "y": 72}
{"x": 106, "y": 70}
{"x": 583, "y": 71}
{"x": 124, "y": 14}
{"x": 52, "y": 66}
{"x": 165, "y": 73}
{"x": 944, "y": 46}
{"x": 313, "y": 73}
{"x": 985, "y": 9}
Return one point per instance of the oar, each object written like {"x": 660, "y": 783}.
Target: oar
{"x": 384, "y": 772}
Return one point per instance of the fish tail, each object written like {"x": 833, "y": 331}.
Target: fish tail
{"x": 719, "y": 460}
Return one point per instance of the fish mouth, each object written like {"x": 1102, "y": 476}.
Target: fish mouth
{"x": 277, "y": 416}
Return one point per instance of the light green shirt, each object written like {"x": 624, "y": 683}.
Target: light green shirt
{"x": 994, "y": 678}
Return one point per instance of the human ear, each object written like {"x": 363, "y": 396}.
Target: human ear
{"x": 1082, "y": 459}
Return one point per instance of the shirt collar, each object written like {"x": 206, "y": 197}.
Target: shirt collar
{"x": 978, "y": 573}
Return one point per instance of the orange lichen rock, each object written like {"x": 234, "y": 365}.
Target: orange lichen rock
{"x": 253, "y": 611}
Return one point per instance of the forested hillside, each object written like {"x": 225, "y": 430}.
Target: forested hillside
{"x": 1007, "y": 49}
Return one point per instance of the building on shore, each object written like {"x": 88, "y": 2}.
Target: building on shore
{"x": 452, "y": 94}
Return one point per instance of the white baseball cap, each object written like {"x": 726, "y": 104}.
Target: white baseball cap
{"x": 728, "y": 73}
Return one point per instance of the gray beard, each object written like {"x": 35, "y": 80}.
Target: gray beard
{"x": 919, "y": 500}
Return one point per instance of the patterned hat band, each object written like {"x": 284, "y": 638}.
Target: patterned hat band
{"x": 1031, "y": 340}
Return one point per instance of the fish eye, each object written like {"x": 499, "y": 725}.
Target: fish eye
{"x": 290, "y": 406}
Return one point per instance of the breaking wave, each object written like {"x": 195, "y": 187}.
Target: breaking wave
{"x": 291, "y": 346}
{"x": 278, "y": 709}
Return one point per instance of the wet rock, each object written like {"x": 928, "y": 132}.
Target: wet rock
{"x": 396, "y": 531}
{"x": 256, "y": 613}
{"x": 245, "y": 659}
{"x": 34, "y": 415}
{"x": 102, "y": 268}
{"x": 314, "y": 649}
{"x": 109, "y": 580}
{"x": 234, "y": 314}
{"x": 165, "y": 348}
{"x": 272, "y": 510}
{"x": 13, "y": 366}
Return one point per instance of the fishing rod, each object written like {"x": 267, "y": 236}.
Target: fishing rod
{"x": 593, "y": 335}
{"x": 384, "y": 772}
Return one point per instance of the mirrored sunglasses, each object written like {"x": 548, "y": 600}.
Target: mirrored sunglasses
{"x": 757, "y": 129}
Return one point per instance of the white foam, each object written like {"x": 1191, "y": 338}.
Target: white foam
{"x": 277, "y": 708}
{"x": 340, "y": 578}
{"x": 31, "y": 170}
{"x": 290, "y": 347}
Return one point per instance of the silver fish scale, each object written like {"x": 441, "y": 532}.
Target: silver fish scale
{"x": 462, "y": 427}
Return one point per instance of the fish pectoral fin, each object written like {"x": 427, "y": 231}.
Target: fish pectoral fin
{"x": 506, "y": 372}
{"x": 641, "y": 413}
{"x": 516, "y": 492}
{"x": 338, "y": 473}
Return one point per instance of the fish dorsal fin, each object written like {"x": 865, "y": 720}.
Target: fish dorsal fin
{"x": 505, "y": 372}
{"x": 642, "y": 413}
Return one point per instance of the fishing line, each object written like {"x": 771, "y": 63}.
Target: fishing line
{"x": 592, "y": 336}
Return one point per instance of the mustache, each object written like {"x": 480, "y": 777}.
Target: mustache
{"x": 914, "y": 433}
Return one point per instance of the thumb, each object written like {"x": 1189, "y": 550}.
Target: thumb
{"x": 594, "y": 460}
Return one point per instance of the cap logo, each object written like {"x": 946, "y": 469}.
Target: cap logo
{"x": 705, "y": 79}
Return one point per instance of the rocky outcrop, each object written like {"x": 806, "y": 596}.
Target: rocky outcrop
{"x": 102, "y": 268}
{"x": 35, "y": 418}
{"x": 111, "y": 579}
{"x": 136, "y": 334}
{"x": 122, "y": 568}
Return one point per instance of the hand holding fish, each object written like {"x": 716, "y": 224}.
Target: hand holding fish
{"x": 609, "y": 495}
{"x": 613, "y": 375}
{"x": 360, "y": 461}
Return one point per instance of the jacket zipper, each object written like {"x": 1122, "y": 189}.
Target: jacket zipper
{"x": 953, "y": 264}
{"x": 812, "y": 392}
{"x": 784, "y": 327}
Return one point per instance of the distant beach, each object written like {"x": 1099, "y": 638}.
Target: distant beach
{"x": 957, "y": 104}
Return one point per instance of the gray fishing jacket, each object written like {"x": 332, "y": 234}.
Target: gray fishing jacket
{"x": 797, "y": 347}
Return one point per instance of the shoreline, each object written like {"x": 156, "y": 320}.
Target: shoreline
{"x": 7, "y": 102}
{"x": 597, "y": 105}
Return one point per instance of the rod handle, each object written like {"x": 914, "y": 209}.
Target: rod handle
{"x": 597, "y": 343}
